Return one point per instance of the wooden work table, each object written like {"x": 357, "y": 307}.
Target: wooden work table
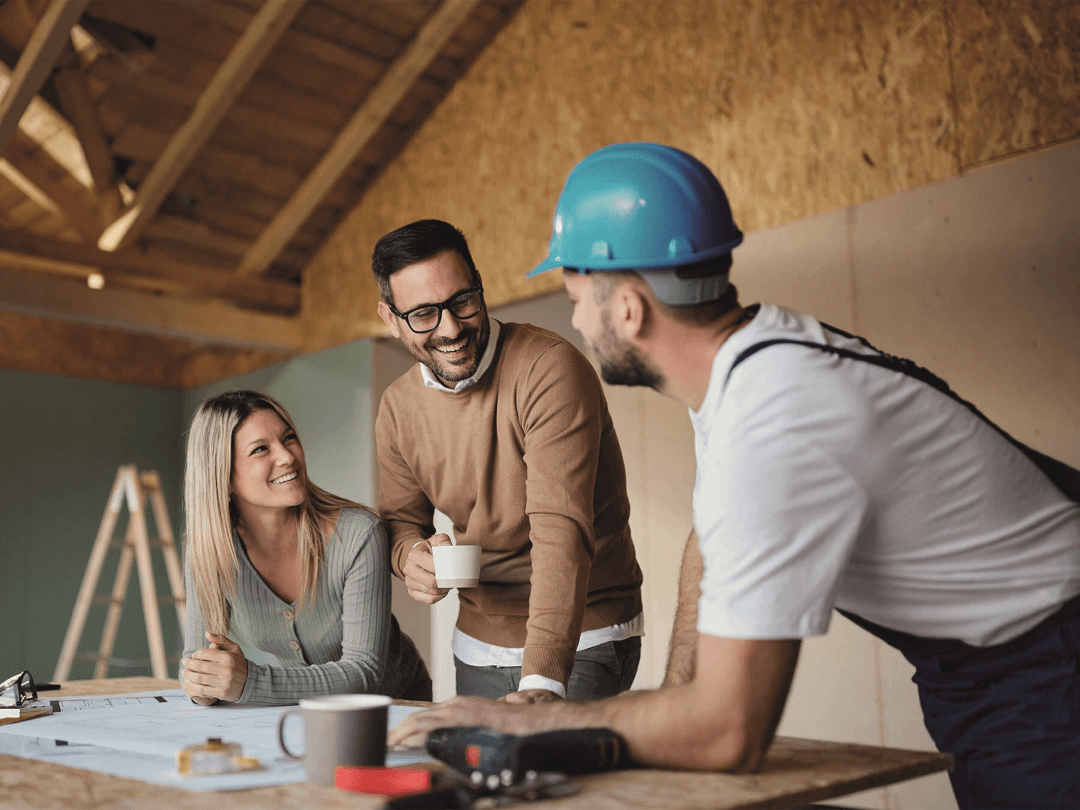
{"x": 796, "y": 772}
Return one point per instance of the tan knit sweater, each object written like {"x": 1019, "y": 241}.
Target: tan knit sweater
{"x": 526, "y": 464}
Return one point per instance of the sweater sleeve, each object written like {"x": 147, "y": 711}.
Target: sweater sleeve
{"x": 406, "y": 510}
{"x": 562, "y": 408}
{"x": 360, "y": 555}
{"x": 194, "y": 628}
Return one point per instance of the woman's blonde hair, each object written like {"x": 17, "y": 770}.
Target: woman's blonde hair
{"x": 211, "y": 517}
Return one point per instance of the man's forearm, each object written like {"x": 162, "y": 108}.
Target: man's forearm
{"x": 666, "y": 728}
{"x": 723, "y": 720}
{"x": 696, "y": 726}
{"x": 403, "y": 537}
{"x": 682, "y": 651}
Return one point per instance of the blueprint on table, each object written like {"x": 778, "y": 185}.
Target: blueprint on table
{"x": 137, "y": 736}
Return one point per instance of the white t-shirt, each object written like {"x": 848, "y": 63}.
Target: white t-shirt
{"x": 828, "y": 482}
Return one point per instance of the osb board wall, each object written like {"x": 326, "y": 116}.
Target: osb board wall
{"x": 70, "y": 349}
{"x": 798, "y": 107}
{"x": 1017, "y": 75}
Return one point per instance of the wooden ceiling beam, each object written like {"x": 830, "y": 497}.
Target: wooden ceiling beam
{"x": 36, "y": 63}
{"x": 210, "y": 322}
{"x": 67, "y": 258}
{"x": 77, "y": 105}
{"x": 68, "y": 197}
{"x": 245, "y": 58}
{"x": 51, "y": 132}
{"x": 374, "y": 111}
{"x": 29, "y": 189}
{"x": 53, "y": 161}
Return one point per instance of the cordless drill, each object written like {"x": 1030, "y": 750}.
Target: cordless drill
{"x": 492, "y": 759}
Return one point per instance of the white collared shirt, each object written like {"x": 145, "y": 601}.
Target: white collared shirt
{"x": 431, "y": 381}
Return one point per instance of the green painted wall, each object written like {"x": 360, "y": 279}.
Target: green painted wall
{"x": 62, "y": 441}
{"x": 328, "y": 395}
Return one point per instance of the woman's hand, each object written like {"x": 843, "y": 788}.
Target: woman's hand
{"x": 217, "y": 672}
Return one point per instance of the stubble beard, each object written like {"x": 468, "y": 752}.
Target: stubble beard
{"x": 622, "y": 363}
{"x": 429, "y": 356}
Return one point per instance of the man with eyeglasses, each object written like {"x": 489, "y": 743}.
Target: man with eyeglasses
{"x": 504, "y": 428}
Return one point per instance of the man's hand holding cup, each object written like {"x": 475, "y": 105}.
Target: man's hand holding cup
{"x": 419, "y": 571}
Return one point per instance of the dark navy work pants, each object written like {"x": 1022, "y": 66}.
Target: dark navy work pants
{"x": 1009, "y": 714}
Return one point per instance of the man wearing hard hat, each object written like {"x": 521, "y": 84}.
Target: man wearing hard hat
{"x": 829, "y": 476}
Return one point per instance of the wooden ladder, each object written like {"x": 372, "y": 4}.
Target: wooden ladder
{"x": 133, "y": 487}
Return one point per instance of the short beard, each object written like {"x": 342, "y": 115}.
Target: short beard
{"x": 449, "y": 373}
{"x": 624, "y": 364}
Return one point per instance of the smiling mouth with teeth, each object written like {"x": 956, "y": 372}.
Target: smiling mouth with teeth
{"x": 452, "y": 348}
{"x": 285, "y": 478}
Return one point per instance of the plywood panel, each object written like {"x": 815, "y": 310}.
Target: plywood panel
{"x": 834, "y": 103}
{"x": 208, "y": 365}
{"x": 804, "y": 264}
{"x": 666, "y": 480}
{"x": 978, "y": 279}
{"x": 1017, "y": 72}
{"x": 71, "y": 349}
{"x": 79, "y": 350}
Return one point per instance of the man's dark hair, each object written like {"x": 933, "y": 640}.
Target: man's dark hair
{"x": 414, "y": 243}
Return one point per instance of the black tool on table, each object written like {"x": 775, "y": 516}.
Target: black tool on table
{"x": 507, "y": 768}
{"x": 453, "y": 792}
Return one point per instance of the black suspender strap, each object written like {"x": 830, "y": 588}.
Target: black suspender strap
{"x": 1064, "y": 477}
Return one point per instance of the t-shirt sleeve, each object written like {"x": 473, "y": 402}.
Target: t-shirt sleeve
{"x": 776, "y": 507}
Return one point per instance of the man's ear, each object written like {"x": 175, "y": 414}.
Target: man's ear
{"x": 629, "y": 311}
{"x": 390, "y": 319}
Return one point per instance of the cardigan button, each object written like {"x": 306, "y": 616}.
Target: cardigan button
{"x": 295, "y": 645}
{"x": 288, "y": 614}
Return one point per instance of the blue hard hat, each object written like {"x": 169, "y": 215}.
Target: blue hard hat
{"x": 640, "y": 206}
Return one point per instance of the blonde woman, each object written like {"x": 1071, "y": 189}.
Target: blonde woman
{"x": 288, "y": 568}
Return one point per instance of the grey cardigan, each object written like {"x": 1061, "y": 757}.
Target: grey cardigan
{"x": 346, "y": 640}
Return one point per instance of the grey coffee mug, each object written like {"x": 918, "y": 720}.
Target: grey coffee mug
{"x": 339, "y": 730}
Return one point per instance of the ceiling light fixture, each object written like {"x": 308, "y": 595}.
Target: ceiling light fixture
{"x": 95, "y": 281}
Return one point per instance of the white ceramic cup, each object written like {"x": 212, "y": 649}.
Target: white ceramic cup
{"x": 456, "y": 566}
{"x": 339, "y": 730}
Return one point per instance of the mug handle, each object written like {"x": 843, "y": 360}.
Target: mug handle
{"x": 281, "y": 733}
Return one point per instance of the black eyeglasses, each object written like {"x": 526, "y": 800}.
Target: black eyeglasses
{"x": 22, "y": 685}
{"x": 427, "y": 318}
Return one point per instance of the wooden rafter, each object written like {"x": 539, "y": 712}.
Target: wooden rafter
{"x": 377, "y": 107}
{"x": 51, "y": 180}
{"x": 36, "y": 62}
{"x": 51, "y": 133}
{"x": 53, "y": 256}
{"x": 245, "y": 58}
{"x": 212, "y": 322}
{"x": 46, "y": 159}
{"x": 79, "y": 109}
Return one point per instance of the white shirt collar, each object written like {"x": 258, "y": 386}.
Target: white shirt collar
{"x": 431, "y": 381}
